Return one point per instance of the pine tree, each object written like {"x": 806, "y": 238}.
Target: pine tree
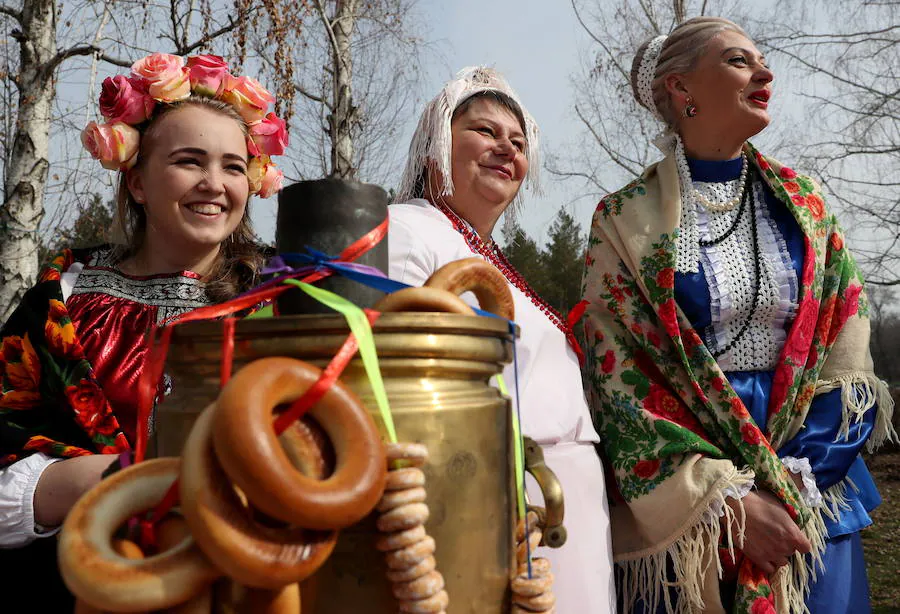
{"x": 525, "y": 255}
{"x": 90, "y": 228}
{"x": 563, "y": 260}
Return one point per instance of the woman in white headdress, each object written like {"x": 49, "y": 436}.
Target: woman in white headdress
{"x": 474, "y": 146}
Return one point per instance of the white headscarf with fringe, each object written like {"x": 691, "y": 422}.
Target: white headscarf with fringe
{"x": 433, "y": 139}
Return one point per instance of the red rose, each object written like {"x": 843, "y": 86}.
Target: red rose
{"x": 660, "y": 402}
{"x": 739, "y": 410}
{"x": 847, "y": 306}
{"x": 609, "y": 361}
{"x": 718, "y": 383}
{"x": 801, "y": 333}
{"x": 813, "y": 357}
{"x": 837, "y": 241}
{"x": 636, "y": 329}
{"x": 809, "y": 263}
{"x": 787, "y": 173}
{"x": 691, "y": 339}
{"x": 89, "y": 404}
{"x": 751, "y": 434}
{"x": 762, "y": 605}
{"x": 816, "y": 206}
{"x": 666, "y": 278}
{"x": 792, "y": 187}
{"x": 653, "y": 338}
{"x": 646, "y": 468}
{"x": 668, "y": 316}
{"x": 762, "y": 162}
{"x": 617, "y": 294}
{"x": 798, "y": 200}
{"x": 123, "y": 99}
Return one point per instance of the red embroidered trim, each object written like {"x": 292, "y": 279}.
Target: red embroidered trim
{"x": 496, "y": 257}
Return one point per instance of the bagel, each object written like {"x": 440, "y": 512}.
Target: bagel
{"x": 423, "y": 299}
{"x": 253, "y": 554}
{"x": 480, "y": 278}
{"x": 105, "y": 579}
{"x": 250, "y": 453}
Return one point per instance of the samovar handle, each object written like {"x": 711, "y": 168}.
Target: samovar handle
{"x": 551, "y": 517}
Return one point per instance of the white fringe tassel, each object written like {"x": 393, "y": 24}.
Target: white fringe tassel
{"x": 646, "y": 580}
{"x": 860, "y": 392}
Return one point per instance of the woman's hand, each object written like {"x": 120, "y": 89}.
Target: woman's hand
{"x": 63, "y": 483}
{"x": 770, "y": 536}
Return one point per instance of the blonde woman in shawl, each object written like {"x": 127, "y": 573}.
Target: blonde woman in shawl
{"x": 728, "y": 334}
{"x": 474, "y": 147}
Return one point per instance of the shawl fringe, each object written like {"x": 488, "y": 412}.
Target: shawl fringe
{"x": 793, "y": 582}
{"x": 860, "y": 391}
{"x": 645, "y": 579}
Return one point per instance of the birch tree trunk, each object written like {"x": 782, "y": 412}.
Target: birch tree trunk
{"x": 343, "y": 116}
{"x": 26, "y": 174}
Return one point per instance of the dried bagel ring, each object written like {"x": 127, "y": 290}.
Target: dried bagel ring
{"x": 253, "y": 554}
{"x": 481, "y": 279}
{"x": 105, "y": 579}
{"x": 423, "y": 299}
{"x": 250, "y": 454}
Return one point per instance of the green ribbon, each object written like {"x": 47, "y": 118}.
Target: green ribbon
{"x": 359, "y": 326}
{"x": 517, "y": 454}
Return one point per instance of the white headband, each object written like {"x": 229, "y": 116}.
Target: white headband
{"x": 646, "y": 73}
{"x": 432, "y": 139}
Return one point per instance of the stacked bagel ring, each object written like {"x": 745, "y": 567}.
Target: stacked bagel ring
{"x": 531, "y": 592}
{"x": 233, "y": 470}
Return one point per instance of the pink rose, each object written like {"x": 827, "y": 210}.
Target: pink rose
{"x": 264, "y": 177}
{"x": 271, "y": 183}
{"x": 208, "y": 74}
{"x": 248, "y": 97}
{"x": 125, "y": 100}
{"x": 270, "y": 135}
{"x": 115, "y": 145}
{"x": 166, "y": 78}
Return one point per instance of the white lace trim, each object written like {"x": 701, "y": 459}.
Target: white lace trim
{"x": 717, "y": 506}
{"x": 729, "y": 270}
{"x": 810, "y": 492}
{"x": 647, "y": 72}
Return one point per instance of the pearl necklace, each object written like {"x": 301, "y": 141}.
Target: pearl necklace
{"x": 492, "y": 253}
{"x": 684, "y": 176}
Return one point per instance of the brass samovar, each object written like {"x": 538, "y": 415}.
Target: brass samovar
{"x": 436, "y": 369}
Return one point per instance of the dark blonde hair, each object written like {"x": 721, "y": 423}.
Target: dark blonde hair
{"x": 240, "y": 257}
{"x": 680, "y": 53}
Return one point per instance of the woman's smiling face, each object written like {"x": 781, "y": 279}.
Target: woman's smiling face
{"x": 487, "y": 158}
{"x": 192, "y": 181}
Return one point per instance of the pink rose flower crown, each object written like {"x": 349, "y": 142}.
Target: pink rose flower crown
{"x": 159, "y": 79}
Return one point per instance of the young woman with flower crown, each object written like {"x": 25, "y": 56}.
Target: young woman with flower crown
{"x": 191, "y": 144}
{"x": 728, "y": 330}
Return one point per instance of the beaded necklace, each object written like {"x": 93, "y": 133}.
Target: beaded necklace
{"x": 496, "y": 257}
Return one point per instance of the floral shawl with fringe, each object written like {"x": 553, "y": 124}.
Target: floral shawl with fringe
{"x": 50, "y": 401}
{"x": 677, "y": 436}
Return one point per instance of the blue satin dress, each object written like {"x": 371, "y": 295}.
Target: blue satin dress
{"x": 843, "y": 587}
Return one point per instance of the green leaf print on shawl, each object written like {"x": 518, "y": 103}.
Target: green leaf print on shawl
{"x": 678, "y": 437}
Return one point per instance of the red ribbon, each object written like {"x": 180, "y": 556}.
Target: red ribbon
{"x": 153, "y": 371}
{"x": 572, "y": 319}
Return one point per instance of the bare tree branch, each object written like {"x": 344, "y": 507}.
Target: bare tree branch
{"x": 8, "y": 10}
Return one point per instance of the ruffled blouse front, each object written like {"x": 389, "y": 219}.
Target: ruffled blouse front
{"x": 113, "y": 313}
{"x": 701, "y": 296}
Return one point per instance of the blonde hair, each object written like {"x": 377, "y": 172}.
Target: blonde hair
{"x": 680, "y": 53}
{"x": 240, "y": 256}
